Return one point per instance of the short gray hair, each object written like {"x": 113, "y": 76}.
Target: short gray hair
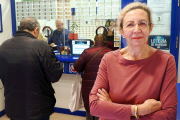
{"x": 29, "y": 23}
{"x": 133, "y": 6}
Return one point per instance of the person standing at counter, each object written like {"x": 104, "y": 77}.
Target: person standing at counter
{"x": 138, "y": 81}
{"x": 110, "y": 25}
{"x": 58, "y": 36}
{"x": 28, "y": 67}
{"x": 89, "y": 68}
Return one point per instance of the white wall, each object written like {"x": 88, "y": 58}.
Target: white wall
{"x": 63, "y": 91}
{"x": 6, "y": 20}
{"x": 6, "y": 34}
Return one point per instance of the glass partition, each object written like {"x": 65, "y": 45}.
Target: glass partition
{"x": 87, "y": 14}
{"x": 90, "y": 14}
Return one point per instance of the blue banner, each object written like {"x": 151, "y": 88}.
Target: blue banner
{"x": 142, "y": 1}
{"x": 123, "y": 42}
{"x": 159, "y": 41}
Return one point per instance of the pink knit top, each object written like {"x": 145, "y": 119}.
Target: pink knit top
{"x": 131, "y": 82}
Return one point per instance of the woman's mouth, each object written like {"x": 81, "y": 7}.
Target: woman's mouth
{"x": 137, "y": 37}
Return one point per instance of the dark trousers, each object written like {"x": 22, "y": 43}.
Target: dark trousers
{"x": 42, "y": 119}
{"x": 90, "y": 117}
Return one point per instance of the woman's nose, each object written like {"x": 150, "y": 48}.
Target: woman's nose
{"x": 137, "y": 28}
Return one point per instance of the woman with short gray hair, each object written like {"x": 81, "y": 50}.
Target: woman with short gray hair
{"x": 138, "y": 81}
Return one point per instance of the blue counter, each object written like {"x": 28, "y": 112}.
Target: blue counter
{"x": 67, "y": 58}
{"x": 67, "y": 61}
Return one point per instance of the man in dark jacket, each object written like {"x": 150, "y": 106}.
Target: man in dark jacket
{"x": 90, "y": 71}
{"x": 28, "y": 66}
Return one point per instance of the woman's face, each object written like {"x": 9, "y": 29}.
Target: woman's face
{"x": 136, "y": 28}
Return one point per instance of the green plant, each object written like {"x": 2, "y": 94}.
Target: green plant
{"x": 74, "y": 27}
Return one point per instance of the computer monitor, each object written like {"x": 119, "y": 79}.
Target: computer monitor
{"x": 78, "y": 46}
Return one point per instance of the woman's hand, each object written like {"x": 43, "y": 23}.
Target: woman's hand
{"x": 149, "y": 106}
{"x": 103, "y": 95}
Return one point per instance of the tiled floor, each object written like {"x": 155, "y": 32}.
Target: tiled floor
{"x": 56, "y": 116}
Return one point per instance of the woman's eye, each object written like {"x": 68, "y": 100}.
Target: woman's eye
{"x": 130, "y": 25}
{"x": 142, "y": 23}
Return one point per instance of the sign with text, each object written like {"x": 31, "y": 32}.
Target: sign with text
{"x": 159, "y": 41}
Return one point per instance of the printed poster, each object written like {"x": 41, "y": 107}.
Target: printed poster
{"x": 159, "y": 5}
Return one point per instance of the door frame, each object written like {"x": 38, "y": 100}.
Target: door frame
{"x": 174, "y": 49}
{"x": 178, "y": 35}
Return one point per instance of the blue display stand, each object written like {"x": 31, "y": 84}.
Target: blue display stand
{"x": 67, "y": 61}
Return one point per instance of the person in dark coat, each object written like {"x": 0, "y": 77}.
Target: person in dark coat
{"x": 90, "y": 71}
{"x": 110, "y": 25}
{"x": 28, "y": 66}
